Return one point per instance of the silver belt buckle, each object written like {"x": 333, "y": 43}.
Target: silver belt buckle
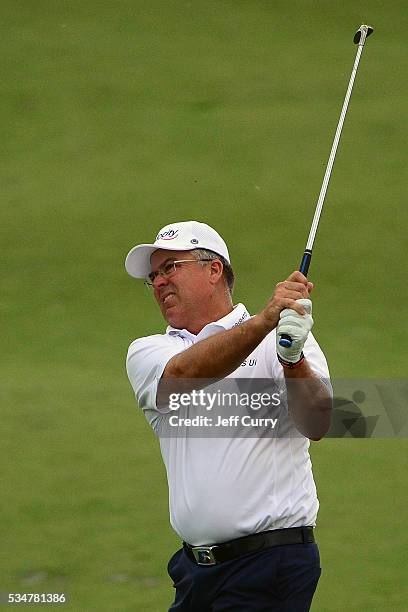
{"x": 204, "y": 555}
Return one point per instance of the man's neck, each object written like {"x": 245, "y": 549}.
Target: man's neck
{"x": 207, "y": 318}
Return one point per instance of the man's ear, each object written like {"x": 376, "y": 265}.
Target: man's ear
{"x": 216, "y": 269}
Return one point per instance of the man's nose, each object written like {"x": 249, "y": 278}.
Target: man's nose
{"x": 159, "y": 281}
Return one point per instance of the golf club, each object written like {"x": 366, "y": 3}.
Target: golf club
{"x": 359, "y": 39}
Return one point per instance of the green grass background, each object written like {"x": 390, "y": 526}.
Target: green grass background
{"x": 117, "y": 118}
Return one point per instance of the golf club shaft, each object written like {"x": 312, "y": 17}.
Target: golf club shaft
{"x": 307, "y": 256}
{"x": 286, "y": 340}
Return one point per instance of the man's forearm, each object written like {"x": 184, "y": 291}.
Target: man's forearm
{"x": 219, "y": 355}
{"x": 309, "y": 401}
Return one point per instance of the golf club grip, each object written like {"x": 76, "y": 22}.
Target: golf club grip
{"x": 305, "y": 263}
{"x": 286, "y": 340}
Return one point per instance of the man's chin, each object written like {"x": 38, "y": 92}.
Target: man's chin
{"x": 172, "y": 317}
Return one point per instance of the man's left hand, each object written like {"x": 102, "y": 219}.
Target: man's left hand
{"x": 297, "y": 326}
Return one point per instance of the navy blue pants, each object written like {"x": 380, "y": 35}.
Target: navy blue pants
{"x": 282, "y": 579}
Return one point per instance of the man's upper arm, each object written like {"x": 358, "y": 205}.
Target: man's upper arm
{"x": 145, "y": 363}
{"x": 317, "y": 361}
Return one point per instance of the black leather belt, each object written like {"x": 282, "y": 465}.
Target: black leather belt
{"x": 218, "y": 553}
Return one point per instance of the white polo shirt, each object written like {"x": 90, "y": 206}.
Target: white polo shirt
{"x": 225, "y": 488}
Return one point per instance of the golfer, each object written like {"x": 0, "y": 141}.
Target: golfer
{"x": 243, "y": 506}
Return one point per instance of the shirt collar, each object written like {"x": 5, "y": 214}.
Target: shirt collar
{"x": 238, "y": 315}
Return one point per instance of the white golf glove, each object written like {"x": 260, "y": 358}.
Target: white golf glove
{"x": 297, "y": 327}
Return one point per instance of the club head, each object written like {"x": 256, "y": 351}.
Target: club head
{"x": 357, "y": 35}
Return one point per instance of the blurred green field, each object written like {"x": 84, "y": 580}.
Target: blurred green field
{"x": 118, "y": 118}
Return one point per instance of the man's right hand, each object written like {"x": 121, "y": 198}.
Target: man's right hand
{"x": 295, "y": 287}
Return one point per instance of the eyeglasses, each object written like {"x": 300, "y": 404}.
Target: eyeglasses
{"x": 168, "y": 269}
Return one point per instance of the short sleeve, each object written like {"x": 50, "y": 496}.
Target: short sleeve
{"x": 315, "y": 357}
{"x": 146, "y": 360}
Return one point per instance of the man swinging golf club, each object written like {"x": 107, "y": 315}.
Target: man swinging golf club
{"x": 244, "y": 507}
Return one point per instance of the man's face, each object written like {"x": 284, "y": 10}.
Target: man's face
{"x": 184, "y": 296}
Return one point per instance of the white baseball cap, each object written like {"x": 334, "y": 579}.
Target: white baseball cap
{"x": 182, "y": 236}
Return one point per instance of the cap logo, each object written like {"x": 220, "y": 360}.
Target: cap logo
{"x": 169, "y": 234}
